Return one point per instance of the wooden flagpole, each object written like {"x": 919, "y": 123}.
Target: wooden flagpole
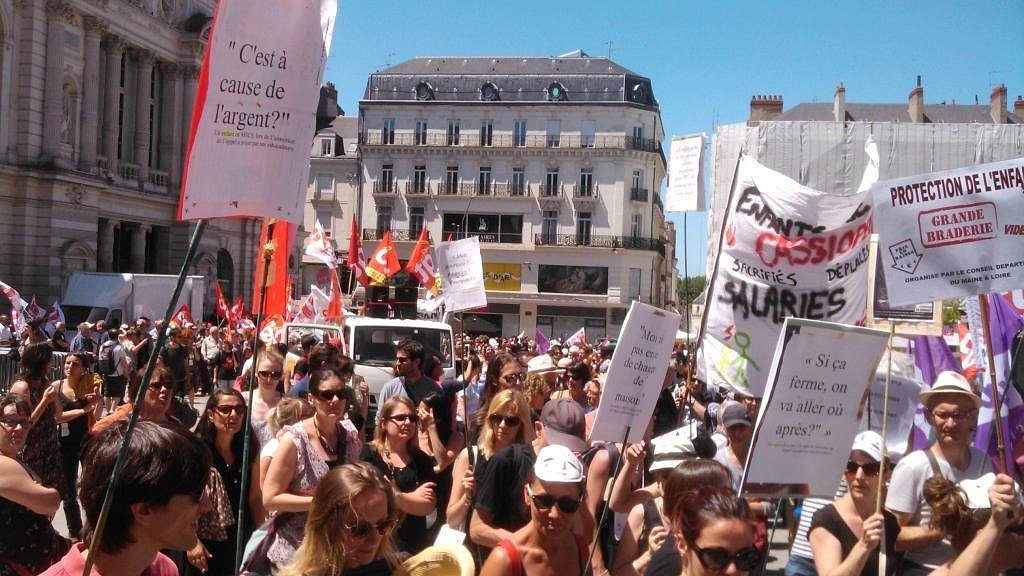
{"x": 997, "y": 405}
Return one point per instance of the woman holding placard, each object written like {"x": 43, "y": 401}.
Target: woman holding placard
{"x": 846, "y": 534}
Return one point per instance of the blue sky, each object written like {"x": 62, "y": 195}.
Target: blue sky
{"x": 706, "y": 59}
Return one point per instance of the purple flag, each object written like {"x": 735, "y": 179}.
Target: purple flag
{"x": 1004, "y": 323}
{"x": 931, "y": 356}
{"x": 542, "y": 342}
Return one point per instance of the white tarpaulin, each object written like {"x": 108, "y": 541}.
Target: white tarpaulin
{"x": 685, "y": 192}
{"x": 788, "y": 251}
{"x": 255, "y": 110}
{"x": 952, "y": 234}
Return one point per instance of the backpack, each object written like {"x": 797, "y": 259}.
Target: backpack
{"x": 105, "y": 363}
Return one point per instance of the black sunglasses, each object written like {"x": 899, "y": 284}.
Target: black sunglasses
{"x": 362, "y": 529}
{"x": 497, "y": 419}
{"x": 227, "y": 409}
{"x": 328, "y": 395}
{"x": 404, "y": 418}
{"x": 719, "y": 558}
{"x": 547, "y": 502}
{"x": 870, "y": 469}
{"x": 270, "y": 373}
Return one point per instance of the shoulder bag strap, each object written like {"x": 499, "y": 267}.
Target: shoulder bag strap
{"x": 936, "y": 471}
{"x": 515, "y": 563}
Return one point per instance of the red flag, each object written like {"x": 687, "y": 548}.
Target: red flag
{"x": 222, "y": 304}
{"x": 277, "y": 279}
{"x": 273, "y": 329}
{"x": 236, "y": 313}
{"x": 421, "y": 265}
{"x": 182, "y": 317}
{"x": 384, "y": 263}
{"x": 356, "y": 260}
{"x": 335, "y": 313}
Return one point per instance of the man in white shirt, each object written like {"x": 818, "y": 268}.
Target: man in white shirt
{"x": 6, "y": 337}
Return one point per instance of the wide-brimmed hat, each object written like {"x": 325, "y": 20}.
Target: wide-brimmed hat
{"x": 542, "y": 364}
{"x": 950, "y": 382}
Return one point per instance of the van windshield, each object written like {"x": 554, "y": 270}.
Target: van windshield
{"x": 375, "y": 345}
{"x": 75, "y": 315}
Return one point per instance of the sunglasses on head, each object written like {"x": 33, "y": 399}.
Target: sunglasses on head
{"x": 497, "y": 419}
{"x": 402, "y": 418}
{"x": 547, "y": 502}
{"x": 270, "y": 373}
{"x": 230, "y": 409}
{"x": 870, "y": 469}
{"x": 720, "y": 558}
{"x": 328, "y": 395}
{"x": 362, "y": 529}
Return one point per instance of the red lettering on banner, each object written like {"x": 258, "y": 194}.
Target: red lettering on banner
{"x": 773, "y": 248}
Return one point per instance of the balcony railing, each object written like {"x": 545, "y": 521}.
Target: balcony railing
{"x": 471, "y": 139}
{"x": 424, "y": 189}
{"x": 128, "y": 171}
{"x": 397, "y": 234}
{"x": 547, "y": 191}
{"x": 581, "y": 192}
{"x": 486, "y": 237}
{"x": 600, "y": 241}
{"x": 638, "y": 194}
{"x": 158, "y": 178}
{"x": 385, "y": 189}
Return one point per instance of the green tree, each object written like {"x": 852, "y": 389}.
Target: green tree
{"x": 951, "y": 311}
{"x": 689, "y": 288}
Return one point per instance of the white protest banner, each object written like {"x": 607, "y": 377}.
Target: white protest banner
{"x": 255, "y": 109}
{"x": 808, "y": 418}
{"x": 462, "y": 274}
{"x": 636, "y": 374}
{"x": 903, "y": 393}
{"x": 685, "y": 191}
{"x": 953, "y": 233}
{"x": 787, "y": 251}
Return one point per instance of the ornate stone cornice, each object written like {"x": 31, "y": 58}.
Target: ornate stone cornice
{"x": 143, "y": 56}
{"x": 189, "y": 70}
{"x": 60, "y": 9}
{"x": 113, "y": 42}
{"x": 93, "y": 26}
{"x": 169, "y": 68}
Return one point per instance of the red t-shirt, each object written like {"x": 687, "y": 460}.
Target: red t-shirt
{"x": 73, "y": 563}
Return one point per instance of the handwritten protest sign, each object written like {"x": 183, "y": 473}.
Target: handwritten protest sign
{"x": 903, "y": 393}
{"x": 808, "y": 418}
{"x": 953, "y": 233}
{"x": 255, "y": 110}
{"x": 787, "y": 251}
{"x": 685, "y": 191}
{"x": 636, "y": 374}
{"x": 462, "y": 274}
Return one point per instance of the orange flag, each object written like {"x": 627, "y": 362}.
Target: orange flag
{"x": 356, "y": 261}
{"x": 334, "y": 309}
{"x": 384, "y": 263}
{"x": 421, "y": 265}
{"x": 277, "y": 279}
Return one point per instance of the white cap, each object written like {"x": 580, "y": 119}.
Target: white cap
{"x": 556, "y": 463}
{"x": 870, "y": 443}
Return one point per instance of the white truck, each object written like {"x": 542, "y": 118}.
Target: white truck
{"x": 122, "y": 298}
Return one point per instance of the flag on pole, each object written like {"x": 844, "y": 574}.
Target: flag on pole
{"x": 273, "y": 329}
{"x": 182, "y": 317}
{"x": 320, "y": 247}
{"x": 1004, "y": 324}
{"x": 33, "y": 311}
{"x": 321, "y": 301}
{"x": 421, "y": 265}
{"x": 968, "y": 358}
{"x": 18, "y": 305}
{"x": 236, "y": 312}
{"x": 384, "y": 263}
{"x": 543, "y": 344}
{"x": 356, "y": 261}
{"x": 335, "y": 310}
{"x": 53, "y": 315}
{"x": 222, "y": 305}
{"x": 579, "y": 338}
{"x": 306, "y": 311}
{"x": 279, "y": 234}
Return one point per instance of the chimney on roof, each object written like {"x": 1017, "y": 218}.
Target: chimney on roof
{"x": 763, "y": 108}
{"x": 916, "y": 103}
{"x": 1018, "y": 106}
{"x": 839, "y": 103}
{"x": 997, "y": 104}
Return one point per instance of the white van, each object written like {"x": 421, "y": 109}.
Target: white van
{"x": 370, "y": 342}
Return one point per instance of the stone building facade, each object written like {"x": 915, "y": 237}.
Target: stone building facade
{"x": 96, "y": 102}
{"x": 554, "y": 163}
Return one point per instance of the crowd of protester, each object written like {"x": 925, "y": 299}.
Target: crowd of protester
{"x": 498, "y": 460}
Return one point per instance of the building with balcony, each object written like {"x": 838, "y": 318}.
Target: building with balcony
{"x": 95, "y": 112}
{"x": 554, "y": 163}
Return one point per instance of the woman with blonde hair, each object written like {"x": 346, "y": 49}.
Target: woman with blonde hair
{"x": 350, "y": 526}
{"x": 507, "y": 422}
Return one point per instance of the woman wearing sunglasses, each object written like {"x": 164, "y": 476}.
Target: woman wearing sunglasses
{"x": 350, "y": 526}
{"x": 394, "y": 452}
{"x": 714, "y": 533}
{"x": 507, "y": 422}
{"x": 504, "y": 372}
{"x": 307, "y": 451}
{"x": 156, "y": 404}
{"x": 28, "y": 541}
{"x": 269, "y": 372}
{"x": 546, "y": 545}
{"x": 845, "y": 535}
{"x": 220, "y": 428}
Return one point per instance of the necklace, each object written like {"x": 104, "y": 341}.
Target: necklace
{"x": 331, "y": 451}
